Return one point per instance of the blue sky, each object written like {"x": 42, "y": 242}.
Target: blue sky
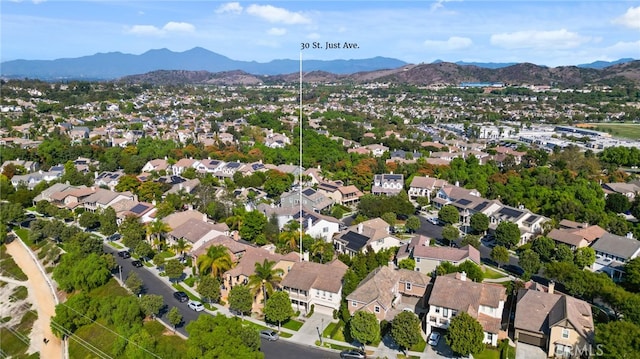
{"x": 545, "y": 32}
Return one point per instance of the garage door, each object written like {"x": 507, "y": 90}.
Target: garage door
{"x": 533, "y": 340}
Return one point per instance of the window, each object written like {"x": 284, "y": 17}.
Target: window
{"x": 490, "y": 337}
{"x": 353, "y": 303}
{"x": 565, "y": 333}
{"x": 407, "y": 286}
{"x": 445, "y": 312}
{"x": 325, "y": 229}
{"x": 418, "y": 260}
{"x": 376, "y": 309}
{"x": 437, "y": 309}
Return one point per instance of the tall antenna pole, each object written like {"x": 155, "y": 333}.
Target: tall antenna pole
{"x": 300, "y": 169}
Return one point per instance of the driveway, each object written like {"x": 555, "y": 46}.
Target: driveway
{"x": 527, "y": 351}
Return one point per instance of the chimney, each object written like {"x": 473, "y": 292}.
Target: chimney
{"x": 457, "y": 183}
{"x": 552, "y": 287}
{"x": 309, "y": 223}
{"x": 463, "y": 276}
{"x": 204, "y": 217}
{"x": 360, "y": 226}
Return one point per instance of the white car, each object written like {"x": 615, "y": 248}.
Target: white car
{"x": 197, "y": 306}
{"x": 434, "y": 338}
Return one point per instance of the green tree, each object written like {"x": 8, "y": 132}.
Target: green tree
{"x": 500, "y": 255}
{"x": 181, "y": 246}
{"x": 529, "y": 261}
{"x": 364, "y": 327}
{"x": 618, "y": 339}
{"x": 159, "y": 260}
{"x": 143, "y": 249}
{"x": 479, "y": 222}
{"x": 473, "y": 271}
{"x": 465, "y": 335}
{"x": 278, "y": 308}
{"x": 174, "y": 269}
{"x": 617, "y": 203}
{"x": 450, "y": 233}
{"x": 151, "y": 304}
{"x": 222, "y": 337}
{"x": 252, "y": 225}
{"x": 150, "y": 191}
{"x": 584, "y": 257}
{"x": 156, "y": 230}
{"x": 407, "y": 263}
{"x": 265, "y": 278}
{"x": 174, "y": 316}
{"x": 89, "y": 220}
{"x": 471, "y": 240}
{"x": 128, "y": 183}
{"x": 563, "y": 253}
{"x": 507, "y": 234}
{"x": 108, "y": 224}
{"x": 448, "y": 214}
{"x": 390, "y": 218}
{"x": 134, "y": 283}
{"x": 215, "y": 261}
{"x": 631, "y": 279}
{"x": 132, "y": 231}
{"x": 240, "y": 299}
{"x": 405, "y": 329}
{"x": 413, "y": 224}
{"x": 545, "y": 247}
{"x": 209, "y": 289}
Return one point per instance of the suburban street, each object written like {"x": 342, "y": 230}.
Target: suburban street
{"x": 154, "y": 285}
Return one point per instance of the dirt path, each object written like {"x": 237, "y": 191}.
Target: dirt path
{"x": 44, "y": 299}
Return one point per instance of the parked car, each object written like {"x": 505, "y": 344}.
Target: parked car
{"x": 114, "y": 237}
{"x": 434, "y": 220}
{"x": 434, "y": 338}
{"x": 195, "y": 305}
{"x": 353, "y": 354}
{"x": 181, "y": 296}
{"x": 136, "y": 264}
{"x": 269, "y": 335}
{"x": 124, "y": 254}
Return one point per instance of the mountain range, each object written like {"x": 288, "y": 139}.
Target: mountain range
{"x": 115, "y": 65}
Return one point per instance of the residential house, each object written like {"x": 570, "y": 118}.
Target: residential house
{"x": 454, "y": 293}
{"x": 377, "y": 150}
{"x": 311, "y": 198}
{"x": 188, "y": 186}
{"x": 428, "y": 257}
{"x": 29, "y": 166}
{"x": 71, "y": 197}
{"x": 612, "y": 252}
{"x": 344, "y": 195}
{"x": 388, "y": 184}
{"x": 236, "y": 248}
{"x": 103, "y": 198}
{"x": 628, "y": 189}
{"x": 176, "y": 219}
{"x": 33, "y": 178}
{"x": 576, "y": 235}
{"x": 197, "y": 232}
{"x": 386, "y": 292}
{"x": 179, "y": 167}
{"x": 209, "y": 166}
{"x": 144, "y": 212}
{"x": 373, "y": 233}
{"x": 450, "y": 193}
{"x": 560, "y": 324}
{"x": 276, "y": 140}
{"x": 530, "y": 224}
{"x": 228, "y": 170}
{"x": 156, "y": 165}
{"x": 422, "y": 186}
{"x": 317, "y": 225}
{"x": 79, "y": 133}
{"x": 313, "y": 284}
{"x": 108, "y": 179}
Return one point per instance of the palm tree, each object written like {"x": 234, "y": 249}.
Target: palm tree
{"x": 319, "y": 248}
{"x": 181, "y": 246}
{"x": 265, "y": 278}
{"x": 156, "y": 229}
{"x": 216, "y": 261}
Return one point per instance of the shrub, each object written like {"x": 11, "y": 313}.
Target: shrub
{"x": 311, "y": 310}
{"x": 335, "y": 314}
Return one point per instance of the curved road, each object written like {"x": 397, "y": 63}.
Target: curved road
{"x": 281, "y": 349}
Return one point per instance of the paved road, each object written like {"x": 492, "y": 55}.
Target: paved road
{"x": 280, "y": 349}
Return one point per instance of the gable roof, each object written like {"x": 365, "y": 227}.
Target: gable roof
{"x": 379, "y": 285}
{"x": 247, "y": 264}
{"x": 310, "y": 275}
{"x": 451, "y": 254}
{"x": 618, "y": 246}
{"x": 194, "y": 229}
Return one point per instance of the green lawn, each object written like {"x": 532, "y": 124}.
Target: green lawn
{"x": 15, "y": 342}
{"x": 292, "y": 324}
{"x": 95, "y": 334}
{"x": 625, "y": 130}
{"x": 492, "y": 274}
{"x": 8, "y": 266}
{"x": 115, "y": 245}
{"x": 488, "y": 354}
{"x": 22, "y": 233}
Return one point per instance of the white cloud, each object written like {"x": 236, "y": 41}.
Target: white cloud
{"x": 277, "y": 15}
{"x": 146, "y": 30}
{"x": 277, "y": 31}
{"x": 631, "y": 18}
{"x": 451, "y": 44}
{"x": 556, "y": 39}
{"x": 150, "y": 30}
{"x": 313, "y": 36}
{"x": 178, "y": 27}
{"x": 230, "y": 7}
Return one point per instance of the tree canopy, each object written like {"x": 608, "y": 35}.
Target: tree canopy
{"x": 465, "y": 335}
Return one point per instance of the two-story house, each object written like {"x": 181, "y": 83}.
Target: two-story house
{"x": 612, "y": 252}
{"x": 560, "y": 324}
{"x": 427, "y": 257}
{"x": 314, "y": 284}
{"x": 454, "y": 293}
{"x": 311, "y": 198}
{"x": 108, "y": 179}
{"x": 576, "y": 235}
{"x": 179, "y": 167}
{"x": 156, "y": 165}
{"x": 385, "y": 292}
{"x": 373, "y": 233}
{"x": 387, "y": 184}
{"x": 422, "y": 186}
